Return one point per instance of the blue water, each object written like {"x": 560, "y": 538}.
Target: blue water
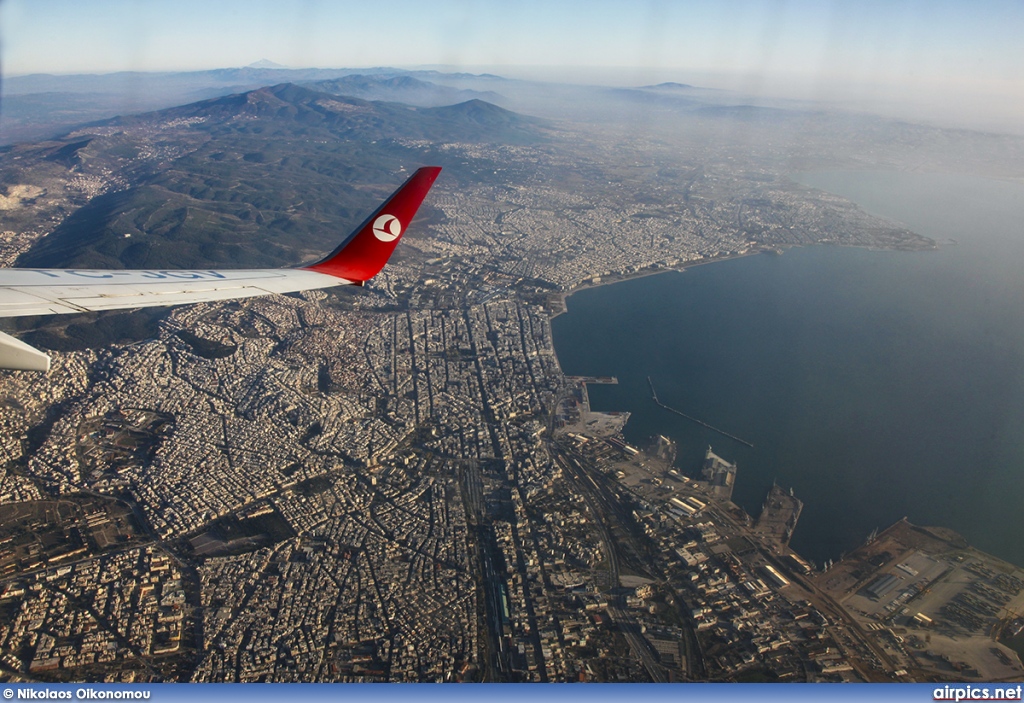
{"x": 876, "y": 384}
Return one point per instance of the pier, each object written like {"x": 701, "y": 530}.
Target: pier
{"x": 654, "y": 395}
{"x": 602, "y": 380}
{"x": 779, "y": 515}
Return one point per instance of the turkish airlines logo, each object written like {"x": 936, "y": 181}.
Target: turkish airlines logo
{"x": 386, "y": 228}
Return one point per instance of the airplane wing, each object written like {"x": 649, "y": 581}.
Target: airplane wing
{"x": 357, "y": 259}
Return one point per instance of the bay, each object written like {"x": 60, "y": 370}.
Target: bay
{"x": 876, "y": 384}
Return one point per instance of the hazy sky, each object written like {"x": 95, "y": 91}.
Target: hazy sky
{"x": 964, "y": 55}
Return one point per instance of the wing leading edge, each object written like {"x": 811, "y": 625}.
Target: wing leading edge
{"x": 360, "y": 257}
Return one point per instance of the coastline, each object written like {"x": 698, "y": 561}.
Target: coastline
{"x": 927, "y": 564}
{"x": 793, "y": 179}
{"x": 614, "y": 278}
{"x": 778, "y": 250}
{"x": 558, "y": 305}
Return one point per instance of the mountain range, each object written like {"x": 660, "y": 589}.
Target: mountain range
{"x": 42, "y": 106}
{"x": 268, "y": 177}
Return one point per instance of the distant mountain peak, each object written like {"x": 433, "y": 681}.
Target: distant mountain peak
{"x": 401, "y": 89}
{"x": 478, "y": 106}
{"x": 265, "y": 63}
{"x": 481, "y": 117}
{"x": 668, "y": 86}
{"x": 476, "y": 102}
{"x": 478, "y": 111}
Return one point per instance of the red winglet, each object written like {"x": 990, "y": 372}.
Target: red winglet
{"x": 364, "y": 252}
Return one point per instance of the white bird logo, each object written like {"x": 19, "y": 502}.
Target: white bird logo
{"x": 386, "y": 228}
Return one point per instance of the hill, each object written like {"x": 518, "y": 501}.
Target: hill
{"x": 269, "y": 177}
{"x": 401, "y": 89}
{"x": 668, "y": 86}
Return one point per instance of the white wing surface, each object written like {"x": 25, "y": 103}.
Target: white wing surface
{"x": 357, "y": 259}
{"x": 55, "y": 292}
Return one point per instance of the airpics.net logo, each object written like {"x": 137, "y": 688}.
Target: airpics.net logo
{"x": 386, "y": 228}
{"x": 978, "y": 693}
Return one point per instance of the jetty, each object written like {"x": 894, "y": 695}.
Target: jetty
{"x": 680, "y": 413}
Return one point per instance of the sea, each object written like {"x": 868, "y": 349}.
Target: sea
{"x": 876, "y": 385}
